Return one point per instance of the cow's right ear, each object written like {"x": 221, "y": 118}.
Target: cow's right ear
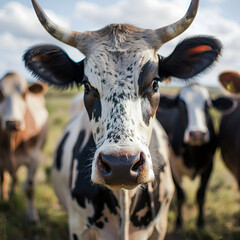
{"x": 50, "y": 64}
{"x": 168, "y": 102}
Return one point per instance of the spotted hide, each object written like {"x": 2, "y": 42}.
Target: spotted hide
{"x": 113, "y": 175}
{"x": 188, "y": 123}
{"x": 23, "y": 130}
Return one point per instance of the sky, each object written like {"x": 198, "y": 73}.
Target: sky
{"x": 20, "y": 28}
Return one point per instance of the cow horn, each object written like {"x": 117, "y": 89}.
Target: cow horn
{"x": 72, "y": 38}
{"x": 171, "y": 31}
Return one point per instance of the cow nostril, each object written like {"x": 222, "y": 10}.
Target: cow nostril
{"x": 137, "y": 166}
{"x": 106, "y": 169}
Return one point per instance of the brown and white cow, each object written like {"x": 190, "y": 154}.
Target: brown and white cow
{"x": 229, "y": 133}
{"x": 23, "y": 130}
{"x": 112, "y": 174}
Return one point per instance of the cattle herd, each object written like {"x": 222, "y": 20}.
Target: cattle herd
{"x": 125, "y": 148}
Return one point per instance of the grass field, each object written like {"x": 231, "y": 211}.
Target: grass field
{"x": 222, "y": 208}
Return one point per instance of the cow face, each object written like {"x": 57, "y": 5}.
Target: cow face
{"x": 193, "y": 103}
{"x": 121, "y": 75}
{"x": 13, "y": 94}
{"x": 196, "y": 100}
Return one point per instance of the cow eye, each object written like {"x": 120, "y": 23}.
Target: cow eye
{"x": 87, "y": 87}
{"x": 155, "y": 84}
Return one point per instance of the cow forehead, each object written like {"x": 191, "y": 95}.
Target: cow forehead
{"x": 110, "y": 66}
{"x": 194, "y": 95}
{"x": 13, "y": 83}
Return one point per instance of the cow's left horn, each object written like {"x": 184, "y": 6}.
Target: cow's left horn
{"x": 75, "y": 39}
{"x": 171, "y": 31}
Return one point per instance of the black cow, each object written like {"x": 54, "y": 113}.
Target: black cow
{"x": 193, "y": 139}
{"x": 229, "y": 132}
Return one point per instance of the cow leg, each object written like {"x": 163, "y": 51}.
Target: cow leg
{"x": 180, "y": 201}
{"x": 1, "y": 184}
{"x": 29, "y": 191}
{"x": 201, "y": 194}
{"x": 13, "y": 184}
{"x": 4, "y": 184}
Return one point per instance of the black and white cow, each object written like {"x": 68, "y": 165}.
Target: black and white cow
{"x": 113, "y": 174}
{"x": 188, "y": 123}
{"x": 229, "y": 132}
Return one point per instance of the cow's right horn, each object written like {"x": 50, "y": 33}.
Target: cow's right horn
{"x": 75, "y": 39}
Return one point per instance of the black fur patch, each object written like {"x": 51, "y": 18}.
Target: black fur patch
{"x": 75, "y": 237}
{"x": 58, "y": 160}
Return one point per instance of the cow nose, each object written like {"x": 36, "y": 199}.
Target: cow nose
{"x": 13, "y": 125}
{"x": 197, "y": 135}
{"x": 122, "y": 170}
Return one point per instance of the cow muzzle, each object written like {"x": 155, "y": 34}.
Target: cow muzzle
{"x": 123, "y": 170}
{"x": 13, "y": 125}
{"x": 196, "y": 138}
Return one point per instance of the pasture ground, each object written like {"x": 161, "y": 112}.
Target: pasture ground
{"x": 222, "y": 208}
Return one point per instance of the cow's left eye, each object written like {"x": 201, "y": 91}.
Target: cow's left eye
{"x": 87, "y": 87}
{"x": 155, "y": 84}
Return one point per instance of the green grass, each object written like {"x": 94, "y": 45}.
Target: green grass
{"x": 222, "y": 213}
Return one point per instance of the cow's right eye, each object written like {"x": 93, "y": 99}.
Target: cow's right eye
{"x": 87, "y": 87}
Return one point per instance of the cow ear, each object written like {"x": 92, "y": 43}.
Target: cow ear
{"x": 168, "y": 102}
{"x": 230, "y": 82}
{"x": 38, "y": 88}
{"x": 190, "y": 57}
{"x": 53, "y": 66}
{"x": 224, "y": 104}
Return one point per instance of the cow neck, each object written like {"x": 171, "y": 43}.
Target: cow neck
{"x": 31, "y": 128}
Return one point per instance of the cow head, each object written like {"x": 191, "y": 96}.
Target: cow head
{"x": 121, "y": 75}
{"x": 13, "y": 93}
{"x": 193, "y": 103}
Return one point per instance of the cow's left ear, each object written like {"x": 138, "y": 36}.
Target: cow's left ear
{"x": 230, "y": 82}
{"x": 224, "y": 104}
{"x": 38, "y": 88}
{"x": 53, "y": 66}
{"x": 190, "y": 57}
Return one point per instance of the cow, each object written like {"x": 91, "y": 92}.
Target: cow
{"x": 23, "y": 131}
{"x": 229, "y": 131}
{"x": 188, "y": 123}
{"x": 112, "y": 170}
